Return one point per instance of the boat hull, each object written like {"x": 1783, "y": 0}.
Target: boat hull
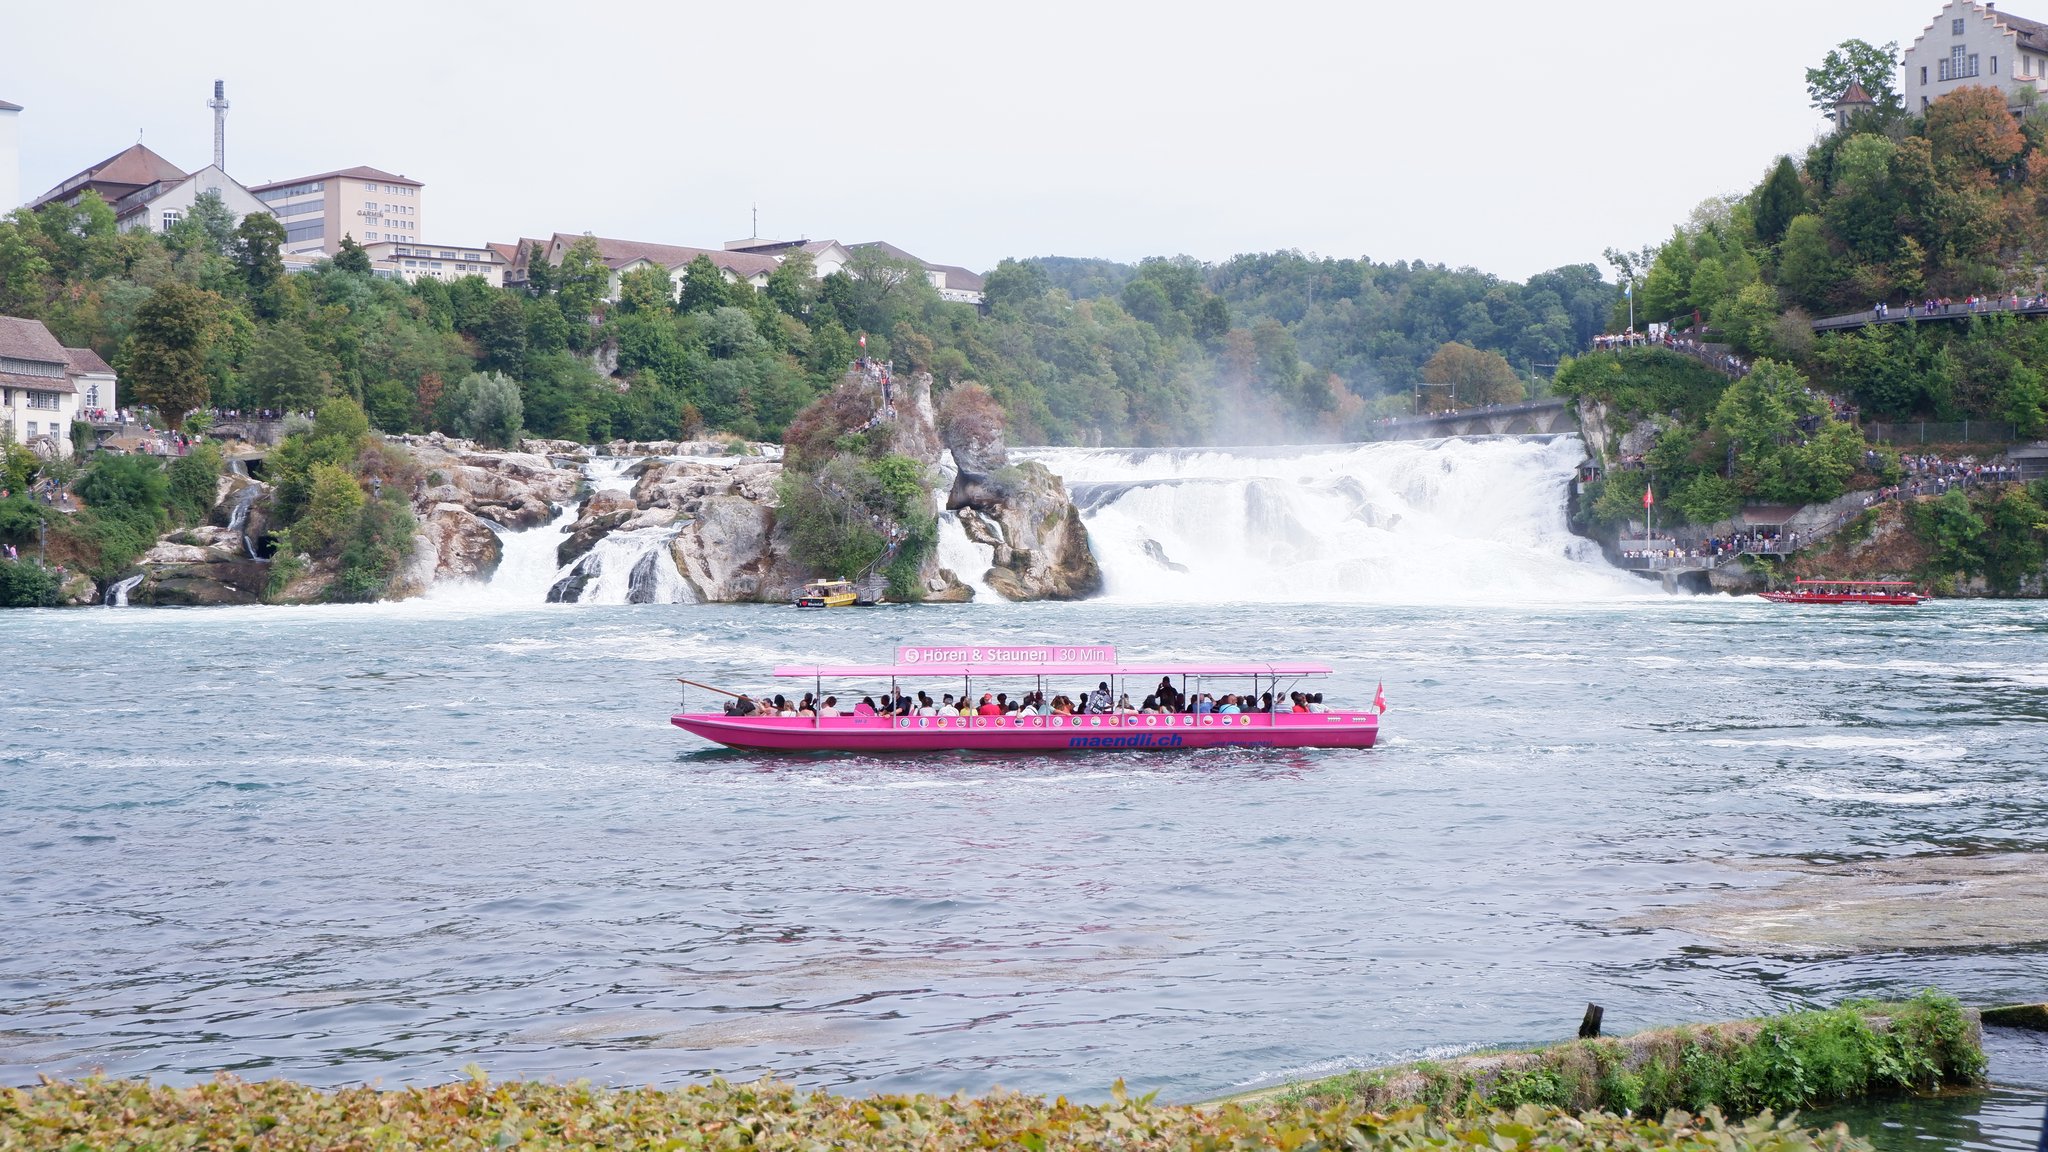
{"x": 1034, "y": 733}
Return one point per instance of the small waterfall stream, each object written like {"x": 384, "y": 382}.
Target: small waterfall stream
{"x": 117, "y": 593}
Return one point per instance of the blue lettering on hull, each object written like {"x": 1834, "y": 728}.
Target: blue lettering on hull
{"x": 1147, "y": 740}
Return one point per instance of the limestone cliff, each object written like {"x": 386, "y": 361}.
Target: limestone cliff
{"x": 1020, "y": 511}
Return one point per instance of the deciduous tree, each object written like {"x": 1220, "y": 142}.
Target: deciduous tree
{"x": 165, "y": 362}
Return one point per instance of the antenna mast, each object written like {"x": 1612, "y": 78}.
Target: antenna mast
{"x": 219, "y": 104}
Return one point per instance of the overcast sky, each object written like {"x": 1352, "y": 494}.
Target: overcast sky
{"x": 1503, "y": 134}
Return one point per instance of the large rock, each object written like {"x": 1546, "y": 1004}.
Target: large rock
{"x": 452, "y": 543}
{"x": 513, "y": 489}
{"x": 201, "y": 584}
{"x": 602, "y": 514}
{"x": 728, "y": 552}
{"x": 680, "y": 484}
{"x": 1041, "y": 546}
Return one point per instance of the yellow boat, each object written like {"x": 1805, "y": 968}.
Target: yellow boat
{"x": 827, "y": 594}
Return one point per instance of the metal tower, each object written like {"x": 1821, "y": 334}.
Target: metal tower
{"x": 219, "y": 104}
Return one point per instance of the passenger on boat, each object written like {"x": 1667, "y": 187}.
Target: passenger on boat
{"x": 925, "y": 707}
{"x": 1315, "y": 702}
{"x": 946, "y": 706}
{"x": 809, "y": 707}
{"x": 1150, "y": 707}
{"x": 1098, "y": 700}
{"x": 989, "y": 707}
{"x": 1228, "y": 705}
{"x": 1061, "y": 706}
{"x": 741, "y": 705}
{"x": 1123, "y": 703}
{"x": 831, "y": 707}
{"x": 866, "y": 707}
{"x": 1169, "y": 699}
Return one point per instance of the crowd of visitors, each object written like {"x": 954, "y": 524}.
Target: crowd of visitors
{"x": 2013, "y": 301}
{"x": 1164, "y": 700}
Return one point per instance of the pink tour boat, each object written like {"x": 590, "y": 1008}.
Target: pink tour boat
{"x": 975, "y": 670}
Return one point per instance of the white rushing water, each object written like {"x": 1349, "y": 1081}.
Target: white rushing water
{"x": 1411, "y": 522}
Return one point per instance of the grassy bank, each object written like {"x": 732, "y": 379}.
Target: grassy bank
{"x": 1860, "y": 1050}
{"x": 111, "y": 1114}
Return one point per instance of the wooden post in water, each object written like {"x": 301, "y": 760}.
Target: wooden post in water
{"x": 1589, "y": 1028}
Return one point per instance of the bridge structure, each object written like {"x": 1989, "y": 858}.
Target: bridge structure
{"x": 1940, "y": 313}
{"x": 1553, "y": 417}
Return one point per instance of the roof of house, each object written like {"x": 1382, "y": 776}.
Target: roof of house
{"x": 132, "y": 167}
{"x": 87, "y": 362}
{"x": 889, "y": 250}
{"x": 619, "y": 253}
{"x": 28, "y": 340}
{"x": 1855, "y": 95}
{"x": 39, "y": 383}
{"x": 509, "y": 253}
{"x": 2032, "y": 33}
{"x": 357, "y": 173}
{"x": 958, "y": 278}
{"x": 8, "y": 107}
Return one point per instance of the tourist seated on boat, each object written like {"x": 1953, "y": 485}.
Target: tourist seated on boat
{"x": 1150, "y": 707}
{"x": 1300, "y": 702}
{"x": 1009, "y": 706}
{"x": 866, "y": 707}
{"x": 1204, "y": 705}
{"x": 1124, "y": 705}
{"x": 1169, "y": 699}
{"x": 1228, "y": 705}
{"x": 830, "y": 707}
{"x": 1315, "y": 702}
{"x": 1265, "y": 701}
{"x": 1061, "y": 706}
{"x": 808, "y": 707}
{"x": 989, "y": 707}
{"x": 741, "y": 705}
{"x": 1098, "y": 700}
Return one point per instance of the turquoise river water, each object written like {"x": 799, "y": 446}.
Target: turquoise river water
{"x": 382, "y": 843}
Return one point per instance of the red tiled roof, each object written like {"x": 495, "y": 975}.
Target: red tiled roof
{"x": 131, "y": 168}
{"x": 1855, "y": 95}
{"x": 356, "y": 173}
{"x": 87, "y": 361}
{"x": 28, "y": 340}
{"x": 2032, "y": 33}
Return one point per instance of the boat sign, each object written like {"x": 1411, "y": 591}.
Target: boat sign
{"x": 1048, "y": 656}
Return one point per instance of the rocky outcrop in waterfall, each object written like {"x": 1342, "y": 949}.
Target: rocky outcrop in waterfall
{"x": 515, "y": 490}
{"x": 1020, "y": 511}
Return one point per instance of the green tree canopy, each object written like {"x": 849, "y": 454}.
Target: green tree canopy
{"x": 1856, "y": 62}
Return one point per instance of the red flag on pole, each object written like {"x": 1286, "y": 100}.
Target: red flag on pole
{"x": 1379, "y": 698}
{"x": 863, "y": 339}
{"x": 1648, "y": 497}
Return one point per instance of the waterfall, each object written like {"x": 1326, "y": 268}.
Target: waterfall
{"x": 117, "y": 593}
{"x": 525, "y": 572}
{"x": 239, "y": 518}
{"x": 634, "y": 567}
{"x": 1419, "y": 521}
{"x": 968, "y": 560}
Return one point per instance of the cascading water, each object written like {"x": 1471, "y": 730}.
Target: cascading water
{"x": 1423, "y": 521}
{"x": 968, "y": 560}
{"x": 117, "y": 595}
{"x": 239, "y": 518}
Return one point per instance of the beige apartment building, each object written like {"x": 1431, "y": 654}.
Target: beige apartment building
{"x": 373, "y": 206}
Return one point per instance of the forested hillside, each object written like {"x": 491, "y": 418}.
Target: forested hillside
{"x": 1169, "y": 351}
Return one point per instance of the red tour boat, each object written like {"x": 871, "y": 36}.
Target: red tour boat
{"x": 1899, "y": 592}
{"x": 1081, "y": 667}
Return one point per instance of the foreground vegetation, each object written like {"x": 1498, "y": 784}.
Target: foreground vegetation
{"x": 1860, "y": 1050}
{"x": 115, "y": 1114}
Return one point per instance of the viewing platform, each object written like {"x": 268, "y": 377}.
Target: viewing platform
{"x": 1552, "y": 417}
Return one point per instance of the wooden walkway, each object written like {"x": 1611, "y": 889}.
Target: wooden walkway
{"x": 1916, "y": 314}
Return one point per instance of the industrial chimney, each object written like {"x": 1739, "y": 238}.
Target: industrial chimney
{"x": 219, "y": 104}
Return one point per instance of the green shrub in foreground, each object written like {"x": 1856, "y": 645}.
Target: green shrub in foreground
{"x": 107, "y": 1114}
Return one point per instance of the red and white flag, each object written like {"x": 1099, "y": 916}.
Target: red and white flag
{"x": 863, "y": 339}
{"x": 1649, "y": 497}
{"x": 1379, "y": 698}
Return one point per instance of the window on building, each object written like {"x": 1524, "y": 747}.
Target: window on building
{"x": 172, "y": 216}
{"x": 1956, "y": 27}
{"x": 1994, "y": 65}
{"x": 1923, "y": 77}
{"x": 31, "y": 429}
{"x": 371, "y": 236}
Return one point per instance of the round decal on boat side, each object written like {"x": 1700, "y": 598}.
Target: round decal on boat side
{"x": 924, "y": 721}
{"x": 1059, "y": 721}
{"x": 1151, "y": 721}
{"x": 1244, "y": 719}
{"x": 1207, "y": 720}
{"x": 1095, "y": 721}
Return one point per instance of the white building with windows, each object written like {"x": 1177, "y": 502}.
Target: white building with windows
{"x": 1971, "y": 44}
{"x": 38, "y": 394}
{"x": 410, "y": 262}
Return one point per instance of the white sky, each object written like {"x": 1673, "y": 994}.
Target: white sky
{"x": 1502, "y": 134}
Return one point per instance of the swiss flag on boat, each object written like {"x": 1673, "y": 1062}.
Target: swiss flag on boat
{"x": 1649, "y": 497}
{"x": 1379, "y": 698}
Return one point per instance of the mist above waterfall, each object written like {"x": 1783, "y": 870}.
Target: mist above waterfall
{"x": 1406, "y": 522}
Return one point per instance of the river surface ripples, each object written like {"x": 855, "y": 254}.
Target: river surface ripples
{"x": 379, "y": 844}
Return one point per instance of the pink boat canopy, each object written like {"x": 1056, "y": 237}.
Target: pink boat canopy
{"x": 1097, "y": 660}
